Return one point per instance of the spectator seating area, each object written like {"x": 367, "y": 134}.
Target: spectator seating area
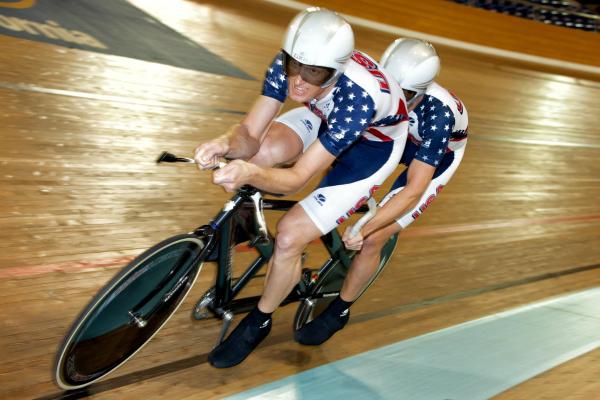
{"x": 570, "y": 14}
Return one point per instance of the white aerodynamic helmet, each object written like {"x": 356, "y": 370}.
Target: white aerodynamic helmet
{"x": 412, "y": 62}
{"x": 322, "y": 38}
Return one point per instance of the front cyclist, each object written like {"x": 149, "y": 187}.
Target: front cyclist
{"x": 437, "y": 139}
{"x": 355, "y": 114}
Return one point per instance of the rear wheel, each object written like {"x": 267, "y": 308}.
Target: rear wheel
{"x": 129, "y": 310}
{"x": 330, "y": 284}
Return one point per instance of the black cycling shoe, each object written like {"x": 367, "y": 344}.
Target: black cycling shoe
{"x": 240, "y": 343}
{"x": 320, "y": 329}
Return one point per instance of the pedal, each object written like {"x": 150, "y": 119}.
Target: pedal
{"x": 202, "y": 309}
{"x": 227, "y": 319}
{"x": 307, "y": 279}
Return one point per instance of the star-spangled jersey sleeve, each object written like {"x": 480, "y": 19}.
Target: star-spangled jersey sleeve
{"x": 435, "y": 127}
{"x": 352, "y": 113}
{"x": 275, "y": 83}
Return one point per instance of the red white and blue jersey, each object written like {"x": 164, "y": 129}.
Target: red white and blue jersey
{"x": 364, "y": 103}
{"x": 438, "y": 125}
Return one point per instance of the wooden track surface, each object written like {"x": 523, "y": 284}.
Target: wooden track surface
{"x": 451, "y": 20}
{"x": 80, "y": 194}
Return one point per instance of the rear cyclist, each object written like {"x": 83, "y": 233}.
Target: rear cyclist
{"x": 437, "y": 139}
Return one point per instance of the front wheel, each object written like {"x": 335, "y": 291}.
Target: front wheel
{"x": 329, "y": 285}
{"x": 129, "y": 310}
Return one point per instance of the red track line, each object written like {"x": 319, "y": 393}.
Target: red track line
{"x": 74, "y": 266}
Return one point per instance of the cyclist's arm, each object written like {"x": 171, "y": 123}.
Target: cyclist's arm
{"x": 435, "y": 130}
{"x": 244, "y": 139}
{"x": 276, "y": 180}
{"x": 418, "y": 178}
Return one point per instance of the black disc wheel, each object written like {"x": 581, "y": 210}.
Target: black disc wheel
{"x": 129, "y": 310}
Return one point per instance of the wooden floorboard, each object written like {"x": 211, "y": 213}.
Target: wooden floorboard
{"x": 80, "y": 193}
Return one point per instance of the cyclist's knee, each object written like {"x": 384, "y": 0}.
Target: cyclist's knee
{"x": 295, "y": 230}
{"x": 292, "y": 234}
{"x": 264, "y": 157}
{"x": 281, "y": 145}
{"x": 373, "y": 243}
{"x": 288, "y": 239}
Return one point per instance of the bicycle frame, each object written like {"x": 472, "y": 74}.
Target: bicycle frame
{"x": 130, "y": 309}
{"x": 225, "y": 231}
{"x": 242, "y": 219}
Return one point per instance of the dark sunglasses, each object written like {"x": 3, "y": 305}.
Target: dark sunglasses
{"x": 310, "y": 73}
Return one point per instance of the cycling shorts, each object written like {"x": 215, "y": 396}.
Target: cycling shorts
{"x": 353, "y": 177}
{"x": 441, "y": 177}
{"x": 303, "y": 122}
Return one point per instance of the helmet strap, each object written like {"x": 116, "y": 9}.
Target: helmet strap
{"x": 415, "y": 101}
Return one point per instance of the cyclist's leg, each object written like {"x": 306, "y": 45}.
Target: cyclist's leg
{"x": 295, "y": 231}
{"x": 349, "y": 184}
{"x": 365, "y": 263}
{"x": 289, "y": 135}
{"x": 280, "y": 146}
{"x": 286, "y": 139}
{"x": 346, "y": 186}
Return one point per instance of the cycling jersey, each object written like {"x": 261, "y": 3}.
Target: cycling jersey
{"x": 363, "y": 121}
{"x": 363, "y": 103}
{"x": 437, "y": 136}
{"x": 438, "y": 125}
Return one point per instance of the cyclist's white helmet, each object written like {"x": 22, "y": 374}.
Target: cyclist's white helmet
{"x": 320, "y": 37}
{"x": 413, "y": 63}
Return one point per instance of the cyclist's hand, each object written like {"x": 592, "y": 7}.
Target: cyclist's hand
{"x": 354, "y": 242}
{"x": 234, "y": 175}
{"x": 208, "y": 154}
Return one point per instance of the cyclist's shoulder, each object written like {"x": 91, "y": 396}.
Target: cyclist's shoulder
{"x": 348, "y": 90}
{"x": 440, "y": 96}
{"x": 362, "y": 71}
{"x": 275, "y": 81}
